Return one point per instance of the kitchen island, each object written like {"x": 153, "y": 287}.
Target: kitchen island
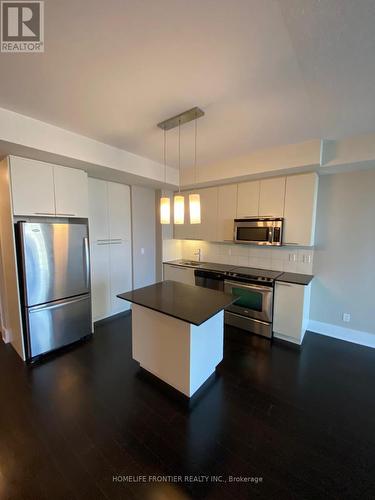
{"x": 178, "y": 332}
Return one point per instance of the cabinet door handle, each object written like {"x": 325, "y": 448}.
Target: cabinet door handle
{"x": 44, "y": 213}
{"x": 294, "y": 244}
{"x": 281, "y": 283}
{"x": 67, "y": 215}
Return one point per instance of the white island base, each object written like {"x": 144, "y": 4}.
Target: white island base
{"x": 179, "y": 353}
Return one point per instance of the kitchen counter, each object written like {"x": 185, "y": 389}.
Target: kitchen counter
{"x": 295, "y": 278}
{"x": 192, "y": 304}
{"x": 209, "y": 266}
{"x": 178, "y": 332}
{"x": 286, "y": 277}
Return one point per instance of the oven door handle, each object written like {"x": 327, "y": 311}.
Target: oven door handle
{"x": 252, "y": 287}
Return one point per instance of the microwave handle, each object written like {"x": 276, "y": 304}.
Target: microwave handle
{"x": 271, "y": 234}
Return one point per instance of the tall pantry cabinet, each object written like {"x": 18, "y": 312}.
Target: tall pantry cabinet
{"x": 110, "y": 246}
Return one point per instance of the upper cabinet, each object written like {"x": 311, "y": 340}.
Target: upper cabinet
{"x": 40, "y": 188}
{"x": 300, "y": 209}
{"x": 32, "y": 187}
{"x": 71, "y": 192}
{"x": 226, "y": 211}
{"x": 248, "y": 199}
{"x": 263, "y": 198}
{"x": 207, "y": 229}
{"x": 185, "y": 230}
{"x": 271, "y": 197}
{"x": 292, "y": 197}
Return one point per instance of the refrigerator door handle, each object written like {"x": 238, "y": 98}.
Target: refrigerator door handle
{"x": 57, "y": 304}
{"x": 87, "y": 260}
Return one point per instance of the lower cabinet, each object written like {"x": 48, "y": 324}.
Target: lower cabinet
{"x": 179, "y": 273}
{"x": 291, "y": 311}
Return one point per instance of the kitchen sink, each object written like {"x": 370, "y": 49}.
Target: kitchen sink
{"x": 190, "y": 263}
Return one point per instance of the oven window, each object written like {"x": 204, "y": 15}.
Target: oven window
{"x": 252, "y": 233}
{"x": 247, "y": 298}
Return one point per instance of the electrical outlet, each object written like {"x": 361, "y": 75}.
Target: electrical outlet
{"x": 346, "y": 317}
{"x": 142, "y": 251}
{"x": 306, "y": 258}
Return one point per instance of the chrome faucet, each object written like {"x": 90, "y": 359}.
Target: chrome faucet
{"x": 197, "y": 253}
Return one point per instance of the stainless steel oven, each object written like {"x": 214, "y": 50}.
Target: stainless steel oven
{"x": 253, "y": 309}
{"x": 259, "y": 231}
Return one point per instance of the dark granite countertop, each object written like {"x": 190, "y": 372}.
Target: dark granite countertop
{"x": 189, "y": 303}
{"x": 295, "y": 278}
{"x": 210, "y": 266}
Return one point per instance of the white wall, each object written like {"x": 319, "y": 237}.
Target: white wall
{"x": 144, "y": 236}
{"x": 344, "y": 262}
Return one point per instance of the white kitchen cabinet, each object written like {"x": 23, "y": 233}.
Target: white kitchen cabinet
{"x": 120, "y": 274}
{"x": 32, "y": 187}
{"x": 185, "y": 231}
{"x": 118, "y": 205}
{"x": 100, "y": 283}
{"x": 248, "y": 199}
{"x": 271, "y": 197}
{"x": 207, "y": 229}
{"x": 179, "y": 273}
{"x": 226, "y": 212}
{"x": 71, "y": 192}
{"x": 110, "y": 243}
{"x": 43, "y": 189}
{"x": 98, "y": 210}
{"x": 300, "y": 209}
{"x": 291, "y": 311}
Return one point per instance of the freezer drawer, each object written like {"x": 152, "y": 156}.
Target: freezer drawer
{"x": 57, "y": 324}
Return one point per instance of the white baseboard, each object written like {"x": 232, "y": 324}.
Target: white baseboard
{"x": 339, "y": 332}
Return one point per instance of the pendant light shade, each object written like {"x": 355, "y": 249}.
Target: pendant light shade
{"x": 195, "y": 208}
{"x": 165, "y": 210}
{"x": 179, "y": 209}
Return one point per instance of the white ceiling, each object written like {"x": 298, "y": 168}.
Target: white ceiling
{"x": 266, "y": 72}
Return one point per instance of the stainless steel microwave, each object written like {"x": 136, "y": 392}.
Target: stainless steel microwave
{"x": 259, "y": 230}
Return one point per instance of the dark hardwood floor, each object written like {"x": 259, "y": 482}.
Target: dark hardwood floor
{"x": 302, "y": 420}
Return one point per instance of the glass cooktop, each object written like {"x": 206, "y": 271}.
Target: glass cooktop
{"x": 254, "y": 273}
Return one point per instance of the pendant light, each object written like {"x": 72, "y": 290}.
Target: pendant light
{"x": 165, "y": 202}
{"x": 179, "y": 200}
{"x": 195, "y": 199}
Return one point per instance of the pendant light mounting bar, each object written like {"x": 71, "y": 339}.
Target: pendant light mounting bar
{"x": 182, "y": 118}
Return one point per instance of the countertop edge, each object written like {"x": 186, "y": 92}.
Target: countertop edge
{"x": 297, "y": 279}
{"x": 173, "y": 315}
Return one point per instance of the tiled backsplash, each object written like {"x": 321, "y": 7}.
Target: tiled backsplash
{"x": 292, "y": 259}
{"x": 172, "y": 249}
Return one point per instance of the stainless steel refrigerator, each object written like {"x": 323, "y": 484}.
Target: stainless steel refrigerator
{"x": 54, "y": 272}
